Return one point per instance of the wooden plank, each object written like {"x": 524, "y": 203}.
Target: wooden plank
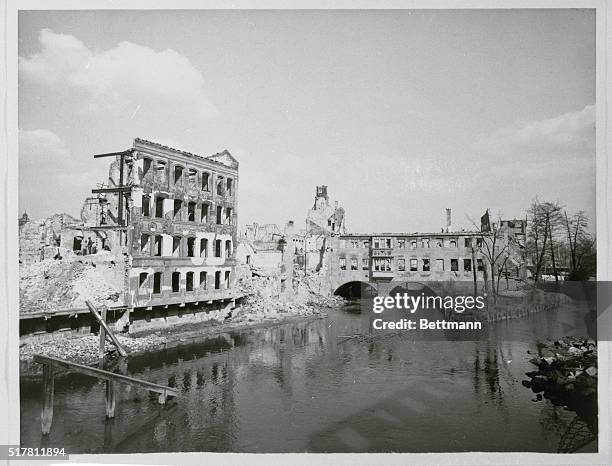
{"x": 104, "y": 375}
{"x": 102, "y": 334}
{"x": 118, "y": 189}
{"x": 46, "y": 415}
{"x": 109, "y": 333}
{"x": 112, "y": 154}
{"x": 110, "y": 398}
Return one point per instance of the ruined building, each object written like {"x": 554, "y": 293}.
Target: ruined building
{"x": 160, "y": 234}
{"x": 175, "y": 212}
{"x": 323, "y": 221}
{"x": 388, "y": 259}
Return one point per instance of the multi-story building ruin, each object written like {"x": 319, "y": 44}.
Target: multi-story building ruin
{"x": 175, "y": 213}
{"x": 389, "y": 259}
{"x": 157, "y": 237}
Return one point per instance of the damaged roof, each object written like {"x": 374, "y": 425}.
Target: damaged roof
{"x": 223, "y": 158}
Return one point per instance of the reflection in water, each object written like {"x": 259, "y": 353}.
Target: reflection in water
{"x": 296, "y": 388}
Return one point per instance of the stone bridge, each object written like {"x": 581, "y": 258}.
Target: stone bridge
{"x": 439, "y": 264}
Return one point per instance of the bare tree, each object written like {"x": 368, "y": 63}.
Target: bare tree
{"x": 494, "y": 249}
{"x": 580, "y": 242}
{"x": 544, "y": 219}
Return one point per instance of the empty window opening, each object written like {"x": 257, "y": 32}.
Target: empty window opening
{"x": 365, "y": 264}
{"x": 453, "y": 243}
{"x": 189, "y": 281}
{"x": 159, "y": 207}
{"x": 145, "y": 244}
{"x": 401, "y": 243}
{"x": 454, "y": 265}
{"x": 467, "y": 265}
{"x": 479, "y": 265}
{"x": 76, "y": 244}
{"x": 479, "y": 242}
{"x": 426, "y": 266}
{"x": 178, "y": 205}
{"x": 176, "y": 282}
{"x": 142, "y": 280}
{"x": 219, "y": 214}
{"x": 157, "y": 279}
{"x": 203, "y": 280}
{"x": 382, "y": 264}
{"x": 342, "y": 263}
{"x": 467, "y": 242}
{"x": 176, "y": 246}
{"x": 217, "y": 280}
{"x": 227, "y": 279}
{"x": 204, "y": 213}
{"x": 228, "y": 216}
{"x": 218, "y": 248}
{"x": 157, "y": 246}
{"x": 228, "y": 248}
{"x": 414, "y": 264}
{"x": 161, "y": 170}
{"x": 146, "y": 205}
{"x": 203, "y": 247}
{"x": 178, "y": 175}
{"x": 205, "y": 181}
{"x": 191, "y": 208}
{"x": 190, "y": 247}
{"x": 193, "y": 176}
{"x": 146, "y": 166}
{"x": 229, "y": 186}
{"x": 354, "y": 263}
{"x": 220, "y": 186}
{"x": 439, "y": 243}
{"x": 401, "y": 265}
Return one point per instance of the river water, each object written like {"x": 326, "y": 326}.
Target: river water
{"x": 298, "y": 387}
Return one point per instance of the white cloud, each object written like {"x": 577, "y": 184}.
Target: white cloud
{"x": 41, "y": 146}
{"x": 571, "y": 133}
{"x": 121, "y": 79}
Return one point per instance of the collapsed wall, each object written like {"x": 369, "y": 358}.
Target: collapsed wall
{"x": 53, "y": 285}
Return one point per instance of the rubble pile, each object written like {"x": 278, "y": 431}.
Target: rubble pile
{"x": 84, "y": 349}
{"x": 67, "y": 281}
{"x": 567, "y": 375}
{"x": 266, "y": 300}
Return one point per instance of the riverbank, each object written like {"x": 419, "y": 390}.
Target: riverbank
{"x": 260, "y": 309}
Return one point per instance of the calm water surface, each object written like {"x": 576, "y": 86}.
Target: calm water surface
{"x": 295, "y": 388}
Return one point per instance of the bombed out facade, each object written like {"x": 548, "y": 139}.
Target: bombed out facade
{"x": 181, "y": 224}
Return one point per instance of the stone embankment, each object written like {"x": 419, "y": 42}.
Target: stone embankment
{"x": 264, "y": 304}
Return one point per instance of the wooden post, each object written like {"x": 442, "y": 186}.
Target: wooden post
{"x": 46, "y": 416}
{"x": 109, "y": 333}
{"x": 110, "y": 399}
{"x": 474, "y": 271}
{"x": 102, "y": 334}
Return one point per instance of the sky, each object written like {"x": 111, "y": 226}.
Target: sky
{"x": 400, "y": 113}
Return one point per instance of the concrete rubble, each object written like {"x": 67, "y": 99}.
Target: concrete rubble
{"x": 68, "y": 280}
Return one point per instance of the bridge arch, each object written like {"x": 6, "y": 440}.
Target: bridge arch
{"x": 356, "y": 289}
{"x": 412, "y": 288}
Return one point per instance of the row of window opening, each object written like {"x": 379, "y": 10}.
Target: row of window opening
{"x": 223, "y": 185}
{"x": 184, "y": 247}
{"x": 221, "y": 217}
{"x": 219, "y": 280}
